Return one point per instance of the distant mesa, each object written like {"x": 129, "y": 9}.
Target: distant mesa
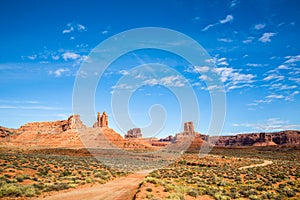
{"x": 134, "y": 133}
{"x": 65, "y": 133}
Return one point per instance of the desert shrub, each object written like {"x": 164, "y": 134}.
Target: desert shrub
{"x": 88, "y": 180}
{"x": 56, "y": 187}
{"x": 103, "y": 175}
{"x": 10, "y": 190}
{"x": 152, "y": 180}
{"x": 19, "y": 178}
{"x": 193, "y": 193}
{"x": 220, "y": 196}
{"x": 149, "y": 189}
{"x": 175, "y": 196}
{"x": 30, "y": 191}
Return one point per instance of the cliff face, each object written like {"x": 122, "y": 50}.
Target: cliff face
{"x": 260, "y": 139}
{"x": 5, "y": 132}
{"x": 61, "y": 133}
{"x": 70, "y": 133}
{"x": 72, "y": 123}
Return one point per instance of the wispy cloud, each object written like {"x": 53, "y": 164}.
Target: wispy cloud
{"x": 283, "y": 67}
{"x": 254, "y": 65}
{"x": 200, "y": 69}
{"x": 227, "y": 19}
{"x": 122, "y": 86}
{"x": 30, "y": 107}
{"x": 169, "y": 81}
{"x": 275, "y": 77}
{"x": 266, "y": 37}
{"x": 70, "y": 56}
{"x": 234, "y": 3}
{"x": 274, "y": 96}
{"x": 259, "y": 26}
{"x": 271, "y": 124}
{"x": 233, "y": 78}
{"x": 81, "y": 27}
{"x": 292, "y": 59}
{"x": 209, "y": 26}
{"x": 71, "y": 27}
{"x": 19, "y": 102}
{"x": 123, "y": 72}
{"x": 59, "y": 72}
{"x": 225, "y": 40}
{"x": 248, "y": 40}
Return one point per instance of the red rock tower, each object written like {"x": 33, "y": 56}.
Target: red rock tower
{"x": 189, "y": 127}
{"x": 102, "y": 121}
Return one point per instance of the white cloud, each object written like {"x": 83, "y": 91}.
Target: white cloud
{"x": 291, "y": 96}
{"x": 254, "y": 65}
{"x": 248, "y": 40}
{"x": 124, "y": 72}
{"x": 271, "y": 124}
{"x": 228, "y": 18}
{"x": 55, "y": 57}
{"x": 69, "y": 30}
{"x": 234, "y": 3}
{"x": 171, "y": 81}
{"x": 259, "y": 26}
{"x": 297, "y": 80}
{"x": 282, "y": 67}
{"x": 209, "y": 26}
{"x": 81, "y": 27}
{"x": 30, "y": 107}
{"x": 274, "y": 76}
{"x": 32, "y": 57}
{"x": 292, "y": 59}
{"x": 233, "y": 78}
{"x": 104, "y": 32}
{"x": 59, "y": 72}
{"x": 266, "y": 37}
{"x": 200, "y": 69}
{"x": 225, "y": 40}
{"x": 225, "y": 63}
{"x": 72, "y": 27}
{"x": 70, "y": 56}
{"x": 203, "y": 77}
{"x": 274, "y": 96}
{"x": 122, "y": 86}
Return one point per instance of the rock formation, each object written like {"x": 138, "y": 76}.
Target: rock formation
{"x": 134, "y": 133}
{"x": 5, "y": 132}
{"x": 188, "y": 131}
{"x": 72, "y": 123}
{"x": 259, "y": 139}
{"x": 189, "y": 127}
{"x": 102, "y": 121}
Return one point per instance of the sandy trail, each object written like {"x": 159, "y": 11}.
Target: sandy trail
{"x": 123, "y": 188}
{"x": 265, "y": 163}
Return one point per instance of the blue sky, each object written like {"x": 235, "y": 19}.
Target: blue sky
{"x": 254, "y": 45}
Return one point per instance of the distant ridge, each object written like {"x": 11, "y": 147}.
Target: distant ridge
{"x": 67, "y": 134}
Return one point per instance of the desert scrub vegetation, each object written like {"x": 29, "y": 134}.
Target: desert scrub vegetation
{"x": 29, "y": 175}
{"x": 219, "y": 177}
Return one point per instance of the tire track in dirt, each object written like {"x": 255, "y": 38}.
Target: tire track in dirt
{"x": 123, "y": 188}
{"x": 265, "y": 163}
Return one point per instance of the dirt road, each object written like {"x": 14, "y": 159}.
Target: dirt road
{"x": 265, "y": 163}
{"x": 123, "y": 188}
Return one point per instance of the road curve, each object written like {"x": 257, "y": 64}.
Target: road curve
{"x": 265, "y": 163}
